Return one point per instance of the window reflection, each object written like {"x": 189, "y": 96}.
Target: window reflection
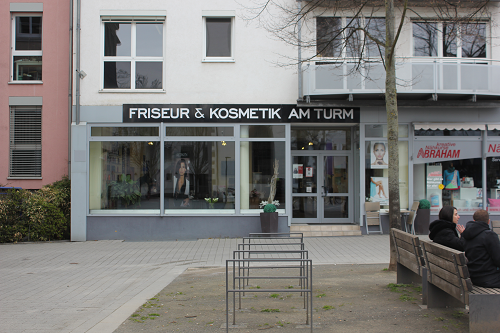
{"x": 116, "y": 74}
{"x": 124, "y": 131}
{"x": 376, "y": 28}
{"x": 149, "y": 39}
{"x": 329, "y": 36}
{"x": 199, "y": 175}
{"x": 148, "y": 75}
{"x": 117, "y": 38}
{"x": 28, "y": 33}
{"x": 473, "y": 40}
{"x": 425, "y": 39}
{"x": 321, "y": 139}
{"x": 218, "y": 37}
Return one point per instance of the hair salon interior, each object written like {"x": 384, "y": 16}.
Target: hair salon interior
{"x": 187, "y": 119}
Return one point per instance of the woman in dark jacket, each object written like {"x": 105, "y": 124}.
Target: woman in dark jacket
{"x": 444, "y": 230}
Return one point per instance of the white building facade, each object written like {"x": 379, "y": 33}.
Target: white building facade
{"x": 184, "y": 122}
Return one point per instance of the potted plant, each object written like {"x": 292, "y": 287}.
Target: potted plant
{"x": 422, "y": 218}
{"x": 125, "y": 190}
{"x": 269, "y": 219}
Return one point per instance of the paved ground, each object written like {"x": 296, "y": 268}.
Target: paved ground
{"x": 95, "y": 286}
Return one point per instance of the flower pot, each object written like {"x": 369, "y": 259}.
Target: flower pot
{"x": 269, "y": 222}
{"x": 422, "y": 221}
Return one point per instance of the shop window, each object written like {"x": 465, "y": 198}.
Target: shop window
{"x": 124, "y": 131}
{"x": 25, "y": 156}
{"x": 469, "y": 37}
{"x": 304, "y": 138}
{"x": 199, "y": 177}
{"x": 262, "y": 131}
{"x": 133, "y": 55}
{"x": 27, "y": 48}
{"x": 124, "y": 175}
{"x": 218, "y": 39}
{"x": 341, "y": 37}
{"x": 445, "y": 132}
{"x": 199, "y": 131}
{"x": 380, "y": 131}
{"x": 377, "y": 173}
{"x": 493, "y": 184}
{"x": 263, "y": 174}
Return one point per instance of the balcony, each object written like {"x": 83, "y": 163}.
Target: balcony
{"x": 418, "y": 79}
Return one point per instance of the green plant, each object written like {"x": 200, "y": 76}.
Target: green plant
{"x": 424, "y": 204}
{"x": 328, "y": 307}
{"x": 126, "y": 190}
{"x": 274, "y": 295}
{"x": 269, "y": 208}
{"x": 270, "y": 310}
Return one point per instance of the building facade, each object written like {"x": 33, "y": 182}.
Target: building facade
{"x": 185, "y": 122}
{"x": 34, "y": 92}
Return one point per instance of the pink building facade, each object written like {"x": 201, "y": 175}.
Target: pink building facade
{"x": 34, "y": 92}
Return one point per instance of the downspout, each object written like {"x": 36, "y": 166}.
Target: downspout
{"x": 299, "y": 44}
{"x": 78, "y": 77}
{"x": 70, "y": 85}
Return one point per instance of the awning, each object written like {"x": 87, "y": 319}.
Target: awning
{"x": 450, "y": 126}
{"x": 492, "y": 127}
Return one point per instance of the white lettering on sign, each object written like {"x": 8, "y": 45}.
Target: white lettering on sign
{"x": 252, "y": 113}
{"x": 322, "y": 114}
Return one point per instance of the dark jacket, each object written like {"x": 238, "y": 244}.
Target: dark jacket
{"x": 482, "y": 249}
{"x": 445, "y": 233}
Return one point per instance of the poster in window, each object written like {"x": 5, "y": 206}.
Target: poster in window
{"x": 309, "y": 171}
{"x": 379, "y": 190}
{"x": 379, "y": 156}
{"x": 298, "y": 171}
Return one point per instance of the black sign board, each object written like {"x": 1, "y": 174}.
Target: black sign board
{"x": 236, "y": 113}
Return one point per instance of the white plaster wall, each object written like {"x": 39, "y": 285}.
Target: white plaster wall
{"x": 252, "y": 78}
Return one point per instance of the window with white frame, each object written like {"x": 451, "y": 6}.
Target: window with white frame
{"x": 350, "y": 37}
{"x": 26, "y": 47}
{"x": 218, "y": 42}
{"x": 25, "y": 156}
{"x": 448, "y": 39}
{"x": 133, "y": 54}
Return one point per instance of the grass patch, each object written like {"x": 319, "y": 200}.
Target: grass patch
{"x": 457, "y": 314}
{"x": 406, "y": 298}
{"x": 270, "y": 310}
{"x": 328, "y": 307}
{"x": 274, "y": 295}
{"x": 321, "y": 295}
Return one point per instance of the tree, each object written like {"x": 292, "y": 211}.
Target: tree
{"x": 362, "y": 36}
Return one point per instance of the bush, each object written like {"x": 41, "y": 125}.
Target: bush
{"x": 424, "y": 204}
{"x": 36, "y": 216}
{"x": 269, "y": 208}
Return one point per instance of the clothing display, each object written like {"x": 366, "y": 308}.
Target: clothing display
{"x": 451, "y": 179}
{"x": 482, "y": 249}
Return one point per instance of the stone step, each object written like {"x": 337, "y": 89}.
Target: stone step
{"x": 326, "y": 230}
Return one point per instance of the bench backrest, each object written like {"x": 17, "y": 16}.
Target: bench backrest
{"x": 496, "y": 227}
{"x": 447, "y": 270}
{"x": 408, "y": 250}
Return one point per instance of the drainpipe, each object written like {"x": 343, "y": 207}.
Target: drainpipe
{"x": 299, "y": 26}
{"x": 77, "y": 70}
{"x": 70, "y": 85}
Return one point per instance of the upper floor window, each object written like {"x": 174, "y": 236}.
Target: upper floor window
{"x": 442, "y": 39}
{"x": 133, "y": 49}
{"x": 349, "y": 37}
{"x": 218, "y": 42}
{"x": 27, "y": 48}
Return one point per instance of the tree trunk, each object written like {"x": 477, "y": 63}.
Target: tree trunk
{"x": 391, "y": 103}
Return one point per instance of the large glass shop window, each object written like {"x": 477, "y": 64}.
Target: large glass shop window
{"x": 124, "y": 176}
{"x": 493, "y": 184}
{"x": 199, "y": 177}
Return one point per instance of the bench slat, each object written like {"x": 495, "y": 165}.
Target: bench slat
{"x": 483, "y": 290}
{"x": 409, "y": 260}
{"x": 444, "y": 252}
{"x": 448, "y": 265}
{"x": 407, "y": 246}
{"x": 406, "y": 237}
{"x": 451, "y": 277}
{"x": 450, "y": 288}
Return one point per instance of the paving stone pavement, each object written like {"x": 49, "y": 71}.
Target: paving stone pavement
{"x": 94, "y": 286}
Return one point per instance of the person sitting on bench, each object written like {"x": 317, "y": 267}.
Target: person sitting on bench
{"x": 444, "y": 230}
{"x": 482, "y": 249}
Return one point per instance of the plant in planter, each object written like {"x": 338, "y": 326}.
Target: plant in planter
{"x": 125, "y": 190}
{"x": 423, "y": 216}
{"x": 269, "y": 219}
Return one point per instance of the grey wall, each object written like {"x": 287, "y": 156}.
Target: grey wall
{"x": 157, "y": 228}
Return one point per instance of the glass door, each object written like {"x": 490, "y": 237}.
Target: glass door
{"x": 321, "y": 186}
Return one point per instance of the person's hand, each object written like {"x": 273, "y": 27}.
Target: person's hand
{"x": 460, "y": 228}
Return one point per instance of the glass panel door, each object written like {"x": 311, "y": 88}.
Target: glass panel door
{"x": 305, "y": 188}
{"x": 335, "y": 189}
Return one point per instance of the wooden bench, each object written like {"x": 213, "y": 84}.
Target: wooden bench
{"x": 449, "y": 285}
{"x": 495, "y": 225}
{"x": 410, "y": 262}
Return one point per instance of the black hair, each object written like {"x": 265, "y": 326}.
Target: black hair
{"x": 446, "y": 213}
{"x": 178, "y": 166}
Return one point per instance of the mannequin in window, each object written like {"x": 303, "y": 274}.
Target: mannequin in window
{"x": 451, "y": 178}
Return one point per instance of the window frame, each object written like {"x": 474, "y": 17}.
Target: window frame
{"x": 231, "y": 17}
{"x": 133, "y": 59}
{"x": 24, "y": 53}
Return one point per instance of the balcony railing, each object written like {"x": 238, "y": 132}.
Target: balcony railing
{"x": 413, "y": 76}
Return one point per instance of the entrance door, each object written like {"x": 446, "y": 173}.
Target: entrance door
{"x": 322, "y": 183}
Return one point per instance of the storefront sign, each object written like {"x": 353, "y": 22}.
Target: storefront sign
{"x": 493, "y": 149}
{"x": 436, "y": 151}
{"x": 237, "y": 113}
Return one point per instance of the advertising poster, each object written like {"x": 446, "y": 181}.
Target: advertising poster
{"x": 379, "y": 190}
{"x": 298, "y": 171}
{"x": 309, "y": 171}
{"x": 379, "y": 156}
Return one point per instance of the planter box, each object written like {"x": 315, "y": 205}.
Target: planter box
{"x": 422, "y": 221}
{"x": 269, "y": 222}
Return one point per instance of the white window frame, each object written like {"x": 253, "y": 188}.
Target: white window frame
{"x": 133, "y": 59}
{"x": 222, "y": 14}
{"x": 23, "y": 53}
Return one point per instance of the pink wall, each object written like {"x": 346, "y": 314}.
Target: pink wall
{"x": 54, "y": 91}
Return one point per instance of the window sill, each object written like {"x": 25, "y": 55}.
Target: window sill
{"x": 131, "y": 91}
{"x": 231, "y": 60}
{"x": 26, "y": 82}
{"x": 24, "y": 177}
